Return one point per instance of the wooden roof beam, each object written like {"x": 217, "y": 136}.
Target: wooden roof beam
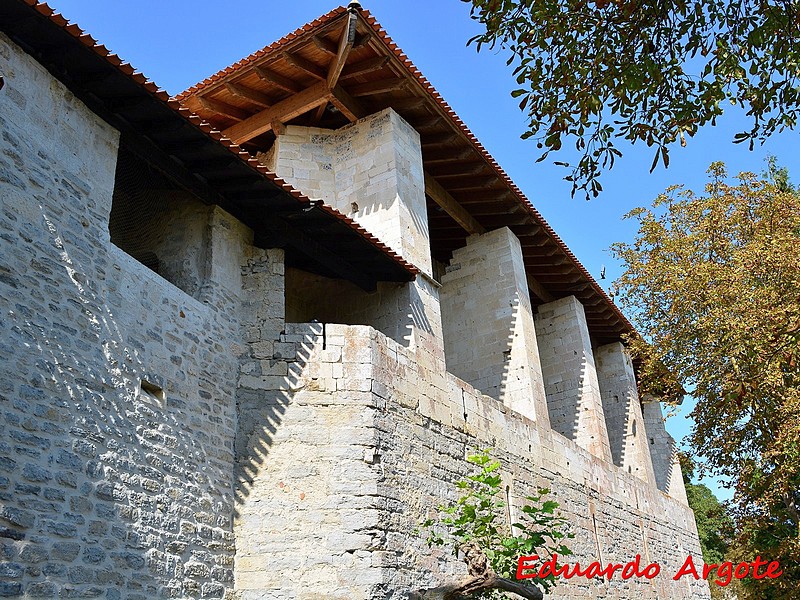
{"x": 345, "y": 45}
{"x": 459, "y": 214}
{"x": 278, "y": 80}
{"x": 446, "y": 156}
{"x": 499, "y": 219}
{"x": 489, "y": 196}
{"x": 380, "y": 86}
{"x": 411, "y": 103}
{"x": 318, "y": 114}
{"x": 538, "y": 290}
{"x": 436, "y": 139}
{"x": 362, "y": 40}
{"x": 536, "y": 252}
{"x": 325, "y": 45}
{"x": 503, "y": 211}
{"x": 426, "y": 122}
{"x": 554, "y": 268}
{"x": 558, "y": 278}
{"x": 249, "y": 94}
{"x": 365, "y": 66}
{"x": 283, "y": 111}
{"x": 223, "y": 108}
{"x": 474, "y": 183}
{"x": 460, "y": 169}
{"x": 305, "y": 65}
{"x": 347, "y": 105}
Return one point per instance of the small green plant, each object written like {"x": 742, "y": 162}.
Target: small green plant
{"x": 478, "y": 520}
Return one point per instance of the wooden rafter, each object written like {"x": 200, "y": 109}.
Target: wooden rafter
{"x": 494, "y": 220}
{"x": 474, "y": 183}
{"x": 555, "y": 269}
{"x": 538, "y": 290}
{"x": 488, "y": 196}
{"x": 459, "y": 214}
{"x": 426, "y": 122}
{"x": 380, "y": 86}
{"x": 223, "y": 108}
{"x": 362, "y": 40}
{"x": 347, "y": 105}
{"x": 459, "y": 169}
{"x": 305, "y": 65}
{"x": 365, "y": 66}
{"x": 283, "y": 111}
{"x": 446, "y": 156}
{"x": 249, "y": 94}
{"x": 435, "y": 139}
{"x": 411, "y": 103}
{"x": 343, "y": 51}
{"x": 317, "y": 117}
{"x": 278, "y": 127}
{"x": 325, "y": 45}
{"x": 278, "y": 80}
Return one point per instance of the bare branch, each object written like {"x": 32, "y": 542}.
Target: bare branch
{"x": 482, "y": 578}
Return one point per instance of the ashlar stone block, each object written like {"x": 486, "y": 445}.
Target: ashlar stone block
{"x": 490, "y": 338}
{"x": 623, "y": 411}
{"x": 570, "y": 376}
{"x": 663, "y": 451}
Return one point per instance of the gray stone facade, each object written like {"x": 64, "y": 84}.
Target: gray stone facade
{"x": 108, "y": 488}
{"x": 177, "y": 435}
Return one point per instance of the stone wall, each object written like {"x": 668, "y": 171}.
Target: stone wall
{"x": 570, "y": 375}
{"x": 365, "y": 446}
{"x": 489, "y": 333}
{"x": 623, "y": 411}
{"x": 663, "y": 450}
{"x": 159, "y": 443}
{"x": 370, "y": 170}
{"x": 116, "y": 388}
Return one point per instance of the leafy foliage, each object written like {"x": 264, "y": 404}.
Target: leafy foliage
{"x": 479, "y": 516}
{"x": 714, "y": 523}
{"x": 713, "y": 284}
{"x": 644, "y": 71}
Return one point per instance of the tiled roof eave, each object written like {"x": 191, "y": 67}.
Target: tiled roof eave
{"x": 176, "y": 109}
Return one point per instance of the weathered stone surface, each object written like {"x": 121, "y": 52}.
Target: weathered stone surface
{"x": 663, "y": 450}
{"x": 339, "y": 480}
{"x": 570, "y": 376}
{"x": 623, "y": 411}
{"x": 100, "y": 475}
{"x": 489, "y": 333}
{"x": 370, "y": 170}
{"x": 176, "y": 435}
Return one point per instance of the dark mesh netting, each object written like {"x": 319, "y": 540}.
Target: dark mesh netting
{"x": 139, "y": 202}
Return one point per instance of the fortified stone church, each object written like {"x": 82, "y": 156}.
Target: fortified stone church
{"x": 250, "y": 334}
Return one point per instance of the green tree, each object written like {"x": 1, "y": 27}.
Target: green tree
{"x": 644, "y": 71}
{"x": 476, "y": 528}
{"x": 713, "y": 284}
{"x": 714, "y": 523}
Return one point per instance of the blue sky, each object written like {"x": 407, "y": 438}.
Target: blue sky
{"x": 178, "y": 43}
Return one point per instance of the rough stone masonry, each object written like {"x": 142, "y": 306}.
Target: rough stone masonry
{"x": 186, "y": 435}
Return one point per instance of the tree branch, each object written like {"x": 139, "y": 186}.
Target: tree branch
{"x": 473, "y": 585}
{"x": 481, "y": 578}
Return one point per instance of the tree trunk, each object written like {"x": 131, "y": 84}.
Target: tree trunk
{"x": 481, "y": 578}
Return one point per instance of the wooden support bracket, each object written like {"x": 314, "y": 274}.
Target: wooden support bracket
{"x": 459, "y": 214}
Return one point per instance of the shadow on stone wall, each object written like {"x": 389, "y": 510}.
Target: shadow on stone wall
{"x": 619, "y": 442}
{"x": 516, "y": 388}
{"x": 106, "y": 487}
{"x": 566, "y": 417}
{"x": 262, "y": 411}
